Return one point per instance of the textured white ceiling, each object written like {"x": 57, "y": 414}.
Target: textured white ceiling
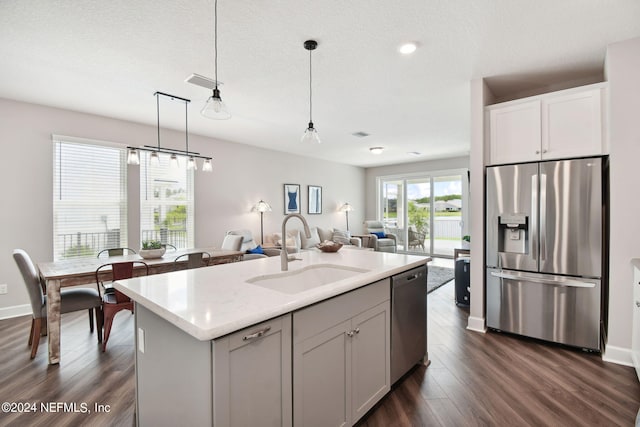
{"x": 109, "y": 57}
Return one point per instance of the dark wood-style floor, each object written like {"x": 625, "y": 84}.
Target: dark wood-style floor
{"x": 474, "y": 379}
{"x": 497, "y": 379}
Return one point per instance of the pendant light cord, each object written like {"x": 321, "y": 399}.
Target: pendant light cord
{"x": 310, "y": 92}
{"x": 158, "y": 117}
{"x": 215, "y": 38}
{"x": 186, "y": 127}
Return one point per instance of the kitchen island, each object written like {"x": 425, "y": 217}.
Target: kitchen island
{"x": 245, "y": 343}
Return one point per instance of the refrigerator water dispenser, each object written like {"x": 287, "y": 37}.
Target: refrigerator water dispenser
{"x": 513, "y": 233}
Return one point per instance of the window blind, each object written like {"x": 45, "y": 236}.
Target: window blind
{"x": 89, "y": 198}
{"x": 166, "y": 201}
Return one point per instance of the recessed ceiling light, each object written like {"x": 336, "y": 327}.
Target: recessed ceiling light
{"x": 408, "y": 48}
{"x": 413, "y": 153}
{"x": 376, "y": 150}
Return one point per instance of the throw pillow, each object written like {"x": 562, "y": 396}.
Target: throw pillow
{"x": 341, "y": 236}
{"x": 380, "y": 234}
{"x": 311, "y": 241}
{"x": 256, "y": 250}
{"x": 325, "y": 234}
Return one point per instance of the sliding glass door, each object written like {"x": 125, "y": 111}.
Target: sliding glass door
{"x": 425, "y": 212}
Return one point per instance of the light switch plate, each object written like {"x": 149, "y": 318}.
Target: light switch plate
{"x": 4, "y": 289}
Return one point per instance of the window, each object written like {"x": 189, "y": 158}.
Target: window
{"x": 166, "y": 202}
{"x": 89, "y": 198}
{"x": 422, "y": 223}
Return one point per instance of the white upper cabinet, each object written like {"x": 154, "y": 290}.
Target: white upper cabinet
{"x": 515, "y": 133}
{"x": 572, "y": 125}
{"x": 564, "y": 124}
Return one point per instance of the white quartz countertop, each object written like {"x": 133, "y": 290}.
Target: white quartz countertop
{"x": 210, "y": 302}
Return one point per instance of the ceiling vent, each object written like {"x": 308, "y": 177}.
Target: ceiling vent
{"x": 360, "y": 134}
{"x": 202, "y": 81}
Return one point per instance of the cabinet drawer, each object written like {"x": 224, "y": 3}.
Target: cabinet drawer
{"x": 255, "y": 332}
{"x": 317, "y": 318}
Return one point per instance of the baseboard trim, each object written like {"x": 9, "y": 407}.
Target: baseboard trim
{"x": 617, "y": 355}
{"x": 476, "y": 324}
{"x": 15, "y": 311}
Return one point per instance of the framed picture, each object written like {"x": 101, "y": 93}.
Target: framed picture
{"x": 291, "y": 198}
{"x": 315, "y": 199}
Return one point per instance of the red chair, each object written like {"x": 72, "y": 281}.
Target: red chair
{"x": 113, "y": 300}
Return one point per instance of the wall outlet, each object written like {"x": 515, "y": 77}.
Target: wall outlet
{"x": 4, "y": 289}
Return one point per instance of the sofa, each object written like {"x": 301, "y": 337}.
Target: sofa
{"x": 248, "y": 244}
{"x": 297, "y": 240}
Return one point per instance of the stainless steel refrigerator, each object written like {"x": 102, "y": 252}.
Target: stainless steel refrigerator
{"x": 545, "y": 257}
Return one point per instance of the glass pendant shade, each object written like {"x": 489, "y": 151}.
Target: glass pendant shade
{"x": 191, "y": 164}
{"x": 154, "y": 159}
{"x": 173, "y": 161}
{"x": 311, "y": 135}
{"x": 133, "y": 158}
{"x": 215, "y": 108}
{"x": 207, "y": 166}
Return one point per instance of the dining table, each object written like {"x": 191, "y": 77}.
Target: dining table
{"x": 82, "y": 271}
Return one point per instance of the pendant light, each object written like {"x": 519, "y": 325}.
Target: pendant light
{"x": 215, "y": 108}
{"x": 154, "y": 158}
{"x": 310, "y": 134}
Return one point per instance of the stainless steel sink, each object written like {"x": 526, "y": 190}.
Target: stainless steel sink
{"x": 296, "y": 281}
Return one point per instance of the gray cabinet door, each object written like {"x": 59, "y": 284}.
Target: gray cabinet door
{"x": 370, "y": 358}
{"x": 252, "y": 381}
{"x": 321, "y": 379}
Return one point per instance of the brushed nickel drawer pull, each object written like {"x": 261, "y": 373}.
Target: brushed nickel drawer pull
{"x": 256, "y": 334}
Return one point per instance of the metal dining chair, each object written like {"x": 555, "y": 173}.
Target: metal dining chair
{"x": 117, "y": 252}
{"x": 115, "y": 301}
{"x": 193, "y": 260}
{"x": 70, "y": 300}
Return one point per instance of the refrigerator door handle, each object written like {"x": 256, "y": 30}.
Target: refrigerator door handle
{"x": 534, "y": 217}
{"x": 557, "y": 282}
{"x": 543, "y": 217}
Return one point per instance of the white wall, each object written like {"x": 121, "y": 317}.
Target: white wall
{"x": 480, "y": 96}
{"x": 622, "y": 65}
{"x": 372, "y": 174}
{"x": 242, "y": 175}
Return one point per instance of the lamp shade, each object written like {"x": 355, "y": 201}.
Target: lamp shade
{"x": 207, "y": 166}
{"x": 311, "y": 135}
{"x": 215, "y": 108}
{"x": 134, "y": 157}
{"x": 346, "y": 208}
{"x": 262, "y": 206}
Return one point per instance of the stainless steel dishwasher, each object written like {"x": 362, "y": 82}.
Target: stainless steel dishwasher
{"x": 408, "y": 321}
